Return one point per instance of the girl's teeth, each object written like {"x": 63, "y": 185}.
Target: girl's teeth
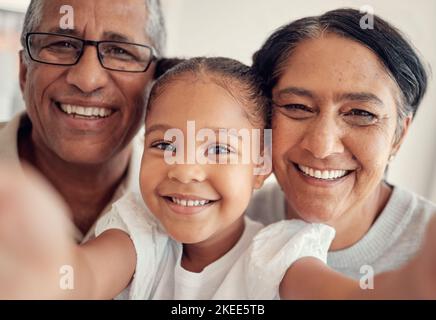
{"x": 190, "y": 203}
{"x": 323, "y": 174}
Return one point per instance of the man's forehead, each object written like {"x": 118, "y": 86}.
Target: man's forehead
{"x": 122, "y": 19}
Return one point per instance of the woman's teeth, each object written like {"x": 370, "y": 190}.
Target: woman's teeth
{"x": 85, "y": 111}
{"x": 190, "y": 203}
{"x": 323, "y": 174}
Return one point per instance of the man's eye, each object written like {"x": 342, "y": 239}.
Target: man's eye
{"x": 360, "y": 117}
{"x": 296, "y": 111}
{"x": 219, "y": 149}
{"x": 118, "y": 53}
{"x": 62, "y": 45}
{"x": 164, "y": 146}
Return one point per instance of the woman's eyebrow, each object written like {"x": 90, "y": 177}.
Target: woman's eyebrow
{"x": 295, "y": 91}
{"x": 350, "y": 96}
{"x": 359, "y": 97}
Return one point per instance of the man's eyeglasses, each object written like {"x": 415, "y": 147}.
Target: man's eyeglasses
{"x": 62, "y": 50}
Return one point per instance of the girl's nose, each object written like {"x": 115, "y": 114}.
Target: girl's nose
{"x": 187, "y": 173}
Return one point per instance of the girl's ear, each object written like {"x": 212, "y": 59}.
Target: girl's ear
{"x": 263, "y": 167}
{"x": 260, "y": 179}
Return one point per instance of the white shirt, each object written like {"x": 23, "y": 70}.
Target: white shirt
{"x": 9, "y": 154}
{"x": 252, "y": 269}
{"x": 392, "y": 240}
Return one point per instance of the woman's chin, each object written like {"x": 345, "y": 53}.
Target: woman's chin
{"x": 316, "y": 214}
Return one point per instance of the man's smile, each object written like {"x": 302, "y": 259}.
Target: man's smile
{"x": 86, "y": 112}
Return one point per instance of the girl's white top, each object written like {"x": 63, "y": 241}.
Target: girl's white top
{"x": 252, "y": 269}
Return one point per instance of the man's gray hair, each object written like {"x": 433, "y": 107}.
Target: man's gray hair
{"x": 155, "y": 28}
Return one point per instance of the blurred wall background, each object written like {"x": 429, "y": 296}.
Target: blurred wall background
{"x": 237, "y": 28}
{"x": 10, "y": 29}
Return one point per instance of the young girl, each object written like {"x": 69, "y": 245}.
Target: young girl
{"x": 185, "y": 236}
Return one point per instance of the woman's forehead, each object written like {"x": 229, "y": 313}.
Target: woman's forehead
{"x": 336, "y": 65}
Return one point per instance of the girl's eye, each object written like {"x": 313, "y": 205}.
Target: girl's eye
{"x": 360, "y": 117}
{"x": 164, "y": 146}
{"x": 219, "y": 149}
{"x": 296, "y": 111}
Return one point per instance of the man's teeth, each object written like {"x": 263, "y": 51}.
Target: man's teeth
{"x": 190, "y": 203}
{"x": 323, "y": 174}
{"x": 86, "y": 111}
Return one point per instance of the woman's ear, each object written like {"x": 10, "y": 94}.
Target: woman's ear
{"x": 406, "y": 125}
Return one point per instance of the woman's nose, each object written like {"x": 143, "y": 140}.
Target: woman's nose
{"x": 187, "y": 173}
{"x": 323, "y": 138}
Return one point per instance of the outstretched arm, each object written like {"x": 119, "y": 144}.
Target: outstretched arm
{"x": 310, "y": 278}
{"x": 36, "y": 242}
{"x": 103, "y": 267}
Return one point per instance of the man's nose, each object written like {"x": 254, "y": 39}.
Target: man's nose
{"x": 88, "y": 75}
{"x": 323, "y": 138}
{"x": 187, "y": 173}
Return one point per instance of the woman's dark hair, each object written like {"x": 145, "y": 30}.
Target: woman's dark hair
{"x": 235, "y": 77}
{"x": 396, "y": 54}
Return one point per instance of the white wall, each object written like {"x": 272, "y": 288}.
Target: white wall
{"x": 14, "y": 5}
{"x": 236, "y": 28}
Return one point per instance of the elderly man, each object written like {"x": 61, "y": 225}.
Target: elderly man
{"x": 85, "y": 89}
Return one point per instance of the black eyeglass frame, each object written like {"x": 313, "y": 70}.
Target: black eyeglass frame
{"x": 93, "y": 43}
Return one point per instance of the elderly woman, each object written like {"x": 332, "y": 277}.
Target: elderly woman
{"x": 343, "y": 99}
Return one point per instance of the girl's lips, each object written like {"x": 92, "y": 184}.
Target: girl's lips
{"x": 186, "y": 197}
{"x": 186, "y": 210}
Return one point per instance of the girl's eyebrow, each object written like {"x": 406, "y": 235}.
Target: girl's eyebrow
{"x": 157, "y": 127}
{"x": 229, "y": 131}
{"x": 163, "y": 127}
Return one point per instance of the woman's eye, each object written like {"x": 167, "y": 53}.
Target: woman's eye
{"x": 219, "y": 149}
{"x": 296, "y": 111}
{"x": 164, "y": 146}
{"x": 360, "y": 117}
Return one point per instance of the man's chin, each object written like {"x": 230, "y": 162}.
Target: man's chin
{"x": 86, "y": 155}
